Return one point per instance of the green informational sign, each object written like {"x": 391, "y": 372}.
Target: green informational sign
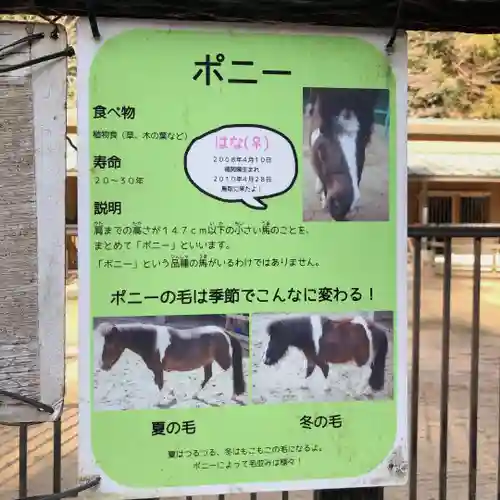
{"x": 243, "y": 259}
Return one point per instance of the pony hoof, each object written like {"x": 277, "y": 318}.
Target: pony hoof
{"x": 168, "y": 404}
{"x": 196, "y": 398}
{"x": 368, "y": 394}
{"x": 238, "y": 401}
{"x": 322, "y": 200}
{"x": 201, "y": 400}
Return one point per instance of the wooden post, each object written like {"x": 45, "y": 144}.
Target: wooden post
{"x": 32, "y": 253}
{"x": 424, "y": 212}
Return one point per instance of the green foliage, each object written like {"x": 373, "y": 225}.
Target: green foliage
{"x": 450, "y": 75}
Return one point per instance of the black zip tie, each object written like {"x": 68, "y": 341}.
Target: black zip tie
{"x": 389, "y": 46}
{"x": 29, "y": 401}
{"x": 54, "y": 34}
{"x": 67, "y": 52}
{"x": 73, "y": 492}
{"x": 93, "y": 20}
{"x": 27, "y": 39}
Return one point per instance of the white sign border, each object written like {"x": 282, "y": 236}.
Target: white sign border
{"x": 87, "y": 50}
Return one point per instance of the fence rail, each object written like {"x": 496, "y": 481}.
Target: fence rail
{"x": 479, "y": 352}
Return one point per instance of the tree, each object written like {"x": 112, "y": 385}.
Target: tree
{"x": 450, "y": 75}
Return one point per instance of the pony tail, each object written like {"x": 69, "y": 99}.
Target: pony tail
{"x": 237, "y": 364}
{"x": 381, "y": 346}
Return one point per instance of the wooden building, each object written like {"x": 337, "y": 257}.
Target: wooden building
{"x": 453, "y": 172}
{"x": 454, "y": 177}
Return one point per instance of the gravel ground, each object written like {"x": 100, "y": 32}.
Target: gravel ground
{"x": 129, "y": 384}
{"x": 286, "y": 382}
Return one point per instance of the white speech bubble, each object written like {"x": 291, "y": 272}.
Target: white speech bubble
{"x": 245, "y": 163}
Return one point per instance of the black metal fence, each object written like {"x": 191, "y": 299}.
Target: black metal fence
{"x": 448, "y": 233}
{"x": 487, "y": 359}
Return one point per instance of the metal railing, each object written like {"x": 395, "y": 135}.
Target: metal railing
{"x": 449, "y": 233}
{"x": 486, "y": 357}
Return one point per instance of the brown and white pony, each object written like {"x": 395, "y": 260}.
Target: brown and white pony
{"x": 167, "y": 349}
{"x": 342, "y": 126}
{"x": 356, "y": 341}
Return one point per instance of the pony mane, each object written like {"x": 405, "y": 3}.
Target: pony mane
{"x": 271, "y": 324}
{"x": 285, "y": 322}
{"x": 105, "y": 328}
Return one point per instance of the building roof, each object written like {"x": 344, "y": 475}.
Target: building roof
{"x": 452, "y": 129}
{"x": 454, "y": 159}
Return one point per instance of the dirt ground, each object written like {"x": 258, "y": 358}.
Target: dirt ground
{"x": 129, "y": 384}
{"x": 374, "y": 203}
{"x": 286, "y": 382}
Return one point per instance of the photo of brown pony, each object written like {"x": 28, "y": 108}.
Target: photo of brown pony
{"x": 166, "y": 350}
{"x": 345, "y": 154}
{"x": 350, "y": 355}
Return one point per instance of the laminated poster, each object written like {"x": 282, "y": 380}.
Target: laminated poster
{"x": 242, "y": 240}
